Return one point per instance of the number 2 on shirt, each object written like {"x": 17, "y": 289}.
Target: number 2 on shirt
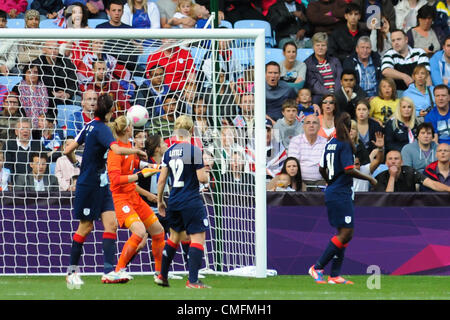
{"x": 177, "y": 167}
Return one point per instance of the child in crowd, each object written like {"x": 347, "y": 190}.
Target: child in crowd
{"x": 201, "y": 14}
{"x": 5, "y": 175}
{"x": 288, "y": 126}
{"x": 305, "y": 105}
{"x": 383, "y": 106}
{"x": 185, "y": 8}
{"x": 284, "y": 183}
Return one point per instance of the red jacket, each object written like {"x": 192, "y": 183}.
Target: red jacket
{"x": 19, "y": 5}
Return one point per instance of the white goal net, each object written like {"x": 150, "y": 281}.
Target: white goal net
{"x": 216, "y": 76}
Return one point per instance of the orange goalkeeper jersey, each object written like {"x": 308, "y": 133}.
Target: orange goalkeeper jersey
{"x": 119, "y": 167}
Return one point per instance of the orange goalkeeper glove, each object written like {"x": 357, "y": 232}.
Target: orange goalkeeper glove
{"x": 147, "y": 172}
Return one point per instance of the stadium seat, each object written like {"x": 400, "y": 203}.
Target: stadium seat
{"x": 15, "y": 23}
{"x": 197, "y": 55}
{"x": 304, "y": 53}
{"x": 52, "y": 167}
{"x": 274, "y": 54}
{"x": 257, "y": 24}
{"x": 10, "y": 81}
{"x": 244, "y": 56}
{"x": 92, "y": 23}
{"x": 48, "y": 24}
{"x": 63, "y": 113}
{"x": 226, "y": 24}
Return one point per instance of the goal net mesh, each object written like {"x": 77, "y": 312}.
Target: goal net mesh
{"x": 45, "y": 100}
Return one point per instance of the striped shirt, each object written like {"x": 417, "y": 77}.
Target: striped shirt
{"x": 309, "y": 155}
{"x": 327, "y": 75}
{"x": 392, "y": 59}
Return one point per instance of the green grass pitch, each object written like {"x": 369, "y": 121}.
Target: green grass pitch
{"x": 227, "y": 288}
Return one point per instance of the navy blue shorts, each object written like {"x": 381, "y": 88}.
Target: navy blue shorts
{"x": 340, "y": 213}
{"x": 193, "y": 220}
{"x": 91, "y": 202}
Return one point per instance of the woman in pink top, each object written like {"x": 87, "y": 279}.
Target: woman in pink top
{"x": 14, "y": 7}
{"x": 328, "y": 111}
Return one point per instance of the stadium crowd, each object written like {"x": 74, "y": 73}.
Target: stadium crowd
{"x": 390, "y": 74}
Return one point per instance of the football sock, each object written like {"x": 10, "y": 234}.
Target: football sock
{"x": 109, "y": 251}
{"x": 76, "y": 250}
{"x": 168, "y": 253}
{"x": 185, "y": 246}
{"x": 157, "y": 249}
{"x": 128, "y": 251}
{"x": 336, "y": 263}
{"x": 195, "y": 261}
{"x": 333, "y": 247}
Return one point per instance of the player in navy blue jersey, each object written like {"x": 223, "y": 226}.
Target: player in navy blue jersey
{"x": 93, "y": 199}
{"x": 337, "y": 168}
{"x": 185, "y": 211}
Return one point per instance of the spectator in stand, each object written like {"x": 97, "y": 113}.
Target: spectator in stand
{"x": 288, "y": 19}
{"x": 439, "y": 170}
{"x": 14, "y": 8}
{"x": 291, "y": 168}
{"x": 440, "y": 65}
{"x": 288, "y": 127}
{"x": 367, "y": 127}
{"x": 29, "y": 50}
{"x": 33, "y": 94}
{"x": 236, "y": 182}
{"x": 406, "y": 13}
{"x": 9, "y": 116}
{"x": 163, "y": 125}
{"x": 37, "y": 180}
{"x": 423, "y": 36}
{"x": 96, "y": 8}
{"x": 5, "y": 175}
{"x": 350, "y": 93}
{"x": 401, "y": 178}
{"x": 8, "y": 51}
{"x": 183, "y": 10}
{"x": 292, "y": 70}
{"x": 308, "y": 148}
{"x": 402, "y": 128}
{"x": 381, "y": 37}
{"x": 385, "y": 7}
{"x": 422, "y": 151}
{"x": 439, "y": 116}
{"x": 326, "y": 15}
{"x": 17, "y": 150}
{"x": 245, "y": 120}
{"x": 3, "y": 94}
{"x": 152, "y": 93}
{"x": 343, "y": 39}
{"x": 48, "y": 9}
{"x": 399, "y": 62}
{"x": 201, "y": 16}
{"x": 177, "y": 62}
{"x": 142, "y": 14}
{"x": 103, "y": 84}
{"x": 57, "y": 74}
{"x": 114, "y": 9}
{"x": 367, "y": 64}
{"x": 322, "y": 69}
{"x": 65, "y": 170}
{"x": 419, "y": 92}
{"x": 78, "y": 119}
{"x": 51, "y": 138}
{"x": 328, "y": 111}
{"x": 305, "y": 106}
{"x": 167, "y": 9}
{"x": 360, "y": 151}
{"x": 277, "y": 91}
{"x": 383, "y": 106}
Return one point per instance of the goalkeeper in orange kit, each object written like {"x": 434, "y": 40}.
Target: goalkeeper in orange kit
{"x": 131, "y": 211}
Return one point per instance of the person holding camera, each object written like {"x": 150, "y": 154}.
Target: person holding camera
{"x": 423, "y": 36}
{"x": 419, "y": 92}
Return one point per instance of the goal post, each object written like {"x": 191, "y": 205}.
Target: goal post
{"x": 255, "y": 231}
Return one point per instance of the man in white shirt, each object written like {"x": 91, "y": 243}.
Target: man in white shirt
{"x": 38, "y": 180}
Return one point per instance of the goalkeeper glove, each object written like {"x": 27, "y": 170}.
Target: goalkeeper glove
{"x": 147, "y": 172}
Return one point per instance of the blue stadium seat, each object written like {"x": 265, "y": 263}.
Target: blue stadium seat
{"x": 304, "y": 53}
{"x": 92, "y": 23}
{"x": 198, "y": 54}
{"x": 52, "y": 167}
{"x": 48, "y": 24}
{"x": 15, "y": 23}
{"x": 10, "y": 81}
{"x": 245, "y": 56}
{"x": 274, "y": 54}
{"x": 226, "y": 24}
{"x": 63, "y": 113}
{"x": 257, "y": 24}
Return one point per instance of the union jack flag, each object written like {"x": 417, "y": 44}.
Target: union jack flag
{"x": 60, "y": 20}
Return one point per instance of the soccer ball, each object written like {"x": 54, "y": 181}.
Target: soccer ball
{"x": 138, "y": 115}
